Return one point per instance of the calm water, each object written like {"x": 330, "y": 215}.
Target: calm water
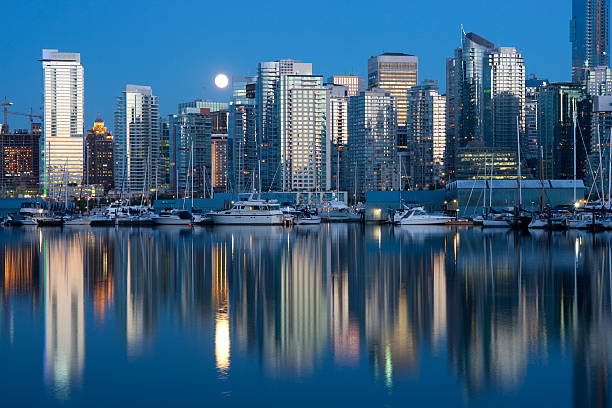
{"x": 331, "y": 314}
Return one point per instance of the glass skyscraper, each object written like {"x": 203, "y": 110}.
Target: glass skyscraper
{"x": 242, "y": 134}
{"x": 61, "y": 152}
{"x": 590, "y": 36}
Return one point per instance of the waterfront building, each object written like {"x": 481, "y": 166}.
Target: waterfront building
{"x": 268, "y": 134}
{"x": 304, "y": 146}
{"x": 61, "y": 151}
{"x": 190, "y": 148}
{"x": 337, "y": 133}
{"x": 590, "y": 36}
{"x": 598, "y": 81}
{"x": 242, "y": 124}
{"x": 136, "y": 140}
{"x": 354, "y": 83}
{"x": 372, "y": 142}
{"x": 530, "y": 138}
{"x": 471, "y": 162}
{"x": 557, "y": 104}
{"x": 19, "y": 161}
{"x": 99, "y": 161}
{"x": 396, "y": 73}
{"x": 426, "y": 127}
{"x": 504, "y": 97}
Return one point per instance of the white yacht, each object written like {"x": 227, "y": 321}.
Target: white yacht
{"x": 418, "y": 216}
{"x": 250, "y": 212}
{"x": 77, "y": 221}
{"x": 173, "y": 217}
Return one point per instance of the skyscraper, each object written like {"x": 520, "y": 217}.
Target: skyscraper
{"x": 242, "y": 133}
{"x": 268, "y": 135}
{"x": 504, "y": 97}
{"x": 557, "y": 104}
{"x": 337, "y": 130}
{"x": 372, "y": 142}
{"x": 136, "y": 147}
{"x": 354, "y": 83}
{"x": 590, "y": 36}
{"x": 190, "y": 149}
{"x": 99, "y": 162}
{"x": 397, "y": 73}
{"x": 530, "y": 139}
{"x": 304, "y": 146}
{"x": 426, "y": 129}
{"x": 61, "y": 150}
{"x": 19, "y": 161}
{"x": 472, "y": 60}
{"x": 452, "y": 100}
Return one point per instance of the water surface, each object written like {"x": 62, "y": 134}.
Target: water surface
{"x": 331, "y": 314}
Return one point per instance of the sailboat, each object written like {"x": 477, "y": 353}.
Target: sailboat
{"x": 521, "y": 218}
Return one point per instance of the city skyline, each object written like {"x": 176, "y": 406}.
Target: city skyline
{"x": 196, "y": 67}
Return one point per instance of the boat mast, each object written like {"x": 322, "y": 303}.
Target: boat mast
{"x": 610, "y": 168}
{"x": 574, "y": 183}
{"x": 491, "y": 185}
{"x": 542, "y": 176}
{"x": 484, "y": 201}
{"x": 518, "y": 148}
{"x": 603, "y": 194}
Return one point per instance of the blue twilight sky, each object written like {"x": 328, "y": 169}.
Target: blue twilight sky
{"x": 177, "y": 47}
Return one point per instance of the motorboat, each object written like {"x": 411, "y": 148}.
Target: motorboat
{"x": 305, "y": 218}
{"x": 550, "y": 222}
{"x": 250, "y": 212}
{"x": 77, "y": 221}
{"x": 49, "y": 221}
{"x": 100, "y": 220}
{"x": 337, "y": 211}
{"x": 495, "y": 221}
{"x": 173, "y": 217}
{"x": 21, "y": 221}
{"x": 418, "y": 216}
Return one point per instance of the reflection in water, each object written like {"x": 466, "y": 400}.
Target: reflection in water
{"x": 485, "y": 307}
{"x": 64, "y": 311}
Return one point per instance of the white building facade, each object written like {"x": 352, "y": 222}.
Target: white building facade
{"x": 136, "y": 149}
{"x": 61, "y": 150}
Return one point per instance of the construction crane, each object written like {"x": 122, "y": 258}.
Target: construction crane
{"x": 30, "y": 115}
{"x": 5, "y": 106}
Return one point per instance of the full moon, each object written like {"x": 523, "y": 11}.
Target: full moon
{"x": 221, "y": 80}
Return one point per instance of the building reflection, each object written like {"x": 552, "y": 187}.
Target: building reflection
{"x": 64, "y": 297}
{"x": 295, "y": 301}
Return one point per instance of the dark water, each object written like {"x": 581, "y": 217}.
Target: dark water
{"x": 325, "y": 315}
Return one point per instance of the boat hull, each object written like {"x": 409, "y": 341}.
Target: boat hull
{"x": 238, "y": 219}
{"x": 495, "y": 224}
{"x": 425, "y": 221}
{"x": 307, "y": 221}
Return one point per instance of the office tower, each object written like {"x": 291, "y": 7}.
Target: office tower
{"x": 219, "y": 151}
{"x": 163, "y": 174}
{"x": 337, "y": 132}
{"x": 136, "y": 147}
{"x": 598, "y": 81}
{"x": 557, "y": 104}
{"x": 61, "y": 152}
{"x": 304, "y": 146}
{"x": 354, "y": 83}
{"x": 242, "y": 134}
{"x": 397, "y": 73}
{"x": 426, "y": 128}
{"x": 472, "y": 61}
{"x": 19, "y": 161}
{"x": 590, "y": 36}
{"x": 452, "y": 99}
{"x": 504, "y": 97}
{"x": 372, "y": 142}
{"x": 530, "y": 139}
{"x": 190, "y": 151}
{"x": 268, "y": 135}
{"x": 99, "y": 162}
